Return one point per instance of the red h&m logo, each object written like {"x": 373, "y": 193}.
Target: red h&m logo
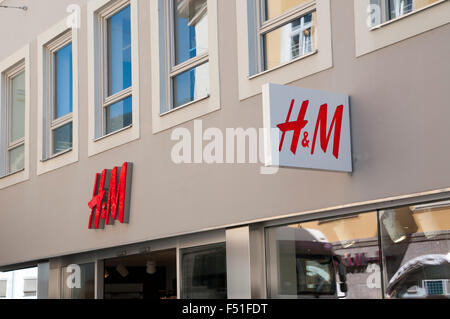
{"x": 112, "y": 200}
{"x": 320, "y": 128}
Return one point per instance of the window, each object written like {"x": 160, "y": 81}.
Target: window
{"x": 276, "y": 33}
{"x": 114, "y": 73}
{"x": 3, "y": 286}
{"x": 57, "y": 98}
{"x": 406, "y": 248}
{"x": 376, "y": 21}
{"x": 186, "y": 61}
{"x": 69, "y": 281}
{"x": 394, "y": 9}
{"x": 329, "y": 258}
{"x": 14, "y": 118}
{"x": 397, "y": 8}
{"x": 204, "y": 272}
{"x": 60, "y": 102}
{"x": 29, "y": 287}
{"x": 415, "y": 242}
{"x": 117, "y": 103}
{"x": 285, "y": 37}
{"x": 19, "y": 284}
{"x": 15, "y": 97}
{"x": 189, "y": 75}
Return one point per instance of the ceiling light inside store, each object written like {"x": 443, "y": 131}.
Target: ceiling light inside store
{"x": 122, "y": 270}
{"x": 151, "y": 267}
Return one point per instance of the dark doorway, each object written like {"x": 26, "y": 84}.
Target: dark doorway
{"x": 147, "y": 276}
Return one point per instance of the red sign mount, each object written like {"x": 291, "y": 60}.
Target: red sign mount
{"x": 113, "y": 200}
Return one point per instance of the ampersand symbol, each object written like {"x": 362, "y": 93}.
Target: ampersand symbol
{"x": 305, "y": 141}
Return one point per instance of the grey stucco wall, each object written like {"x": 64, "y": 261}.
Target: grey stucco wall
{"x": 400, "y": 115}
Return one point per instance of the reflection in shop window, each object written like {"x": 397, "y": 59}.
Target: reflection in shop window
{"x": 337, "y": 258}
{"x": 204, "y": 272}
{"x": 416, "y": 249}
{"x": 30, "y": 287}
{"x": 3, "y": 287}
{"x": 78, "y": 281}
{"x": 19, "y": 284}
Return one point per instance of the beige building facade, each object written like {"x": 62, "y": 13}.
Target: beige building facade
{"x": 249, "y": 230}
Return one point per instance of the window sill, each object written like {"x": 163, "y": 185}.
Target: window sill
{"x": 13, "y": 173}
{"x": 184, "y": 105}
{"x": 283, "y": 65}
{"x": 57, "y": 155}
{"x": 113, "y": 133}
{"x": 381, "y": 25}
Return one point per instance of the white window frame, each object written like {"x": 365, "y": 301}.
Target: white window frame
{"x": 48, "y": 43}
{"x": 11, "y": 66}
{"x": 249, "y": 23}
{"x": 370, "y": 38}
{"x": 264, "y": 27}
{"x": 163, "y": 69}
{"x": 98, "y": 12}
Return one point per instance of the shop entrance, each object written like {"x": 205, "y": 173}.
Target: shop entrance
{"x": 146, "y": 276}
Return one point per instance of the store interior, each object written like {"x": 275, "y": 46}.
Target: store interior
{"x": 145, "y": 276}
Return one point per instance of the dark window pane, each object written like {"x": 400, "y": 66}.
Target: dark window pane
{"x": 62, "y": 138}
{"x": 204, "y": 272}
{"x": 119, "y": 51}
{"x": 86, "y": 279}
{"x": 191, "y": 85}
{"x": 63, "y": 81}
{"x": 119, "y": 115}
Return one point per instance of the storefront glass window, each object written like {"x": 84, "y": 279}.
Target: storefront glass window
{"x": 416, "y": 250}
{"x": 204, "y": 272}
{"x": 335, "y": 258}
{"x": 393, "y": 9}
{"x": 19, "y": 284}
{"x": 78, "y": 282}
